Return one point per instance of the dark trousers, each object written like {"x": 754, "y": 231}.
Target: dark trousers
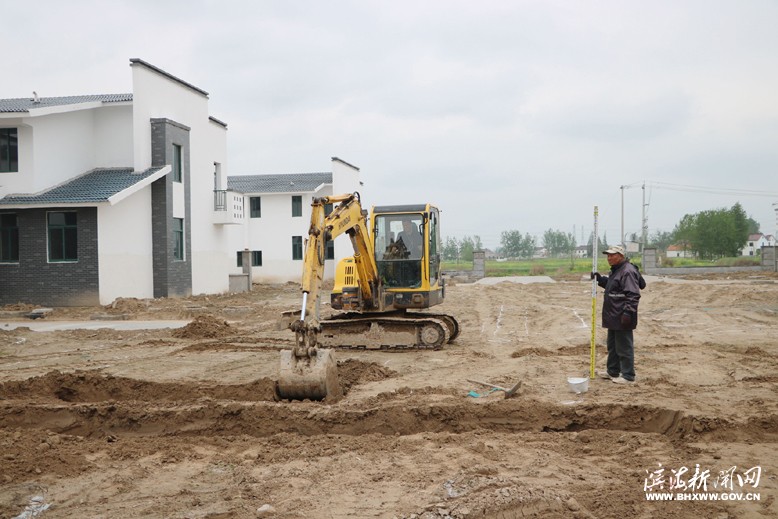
{"x": 621, "y": 354}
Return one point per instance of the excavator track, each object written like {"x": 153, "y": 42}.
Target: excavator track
{"x": 397, "y": 332}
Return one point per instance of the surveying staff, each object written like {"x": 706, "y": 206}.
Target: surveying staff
{"x": 620, "y": 314}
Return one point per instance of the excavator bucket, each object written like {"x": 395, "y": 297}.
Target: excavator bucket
{"x": 308, "y": 378}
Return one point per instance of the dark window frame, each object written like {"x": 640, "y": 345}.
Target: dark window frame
{"x": 256, "y": 258}
{"x": 179, "y": 243}
{"x": 178, "y": 163}
{"x": 255, "y": 212}
{"x": 62, "y": 238}
{"x": 297, "y": 248}
{"x": 9, "y": 238}
{"x": 9, "y": 150}
{"x": 297, "y": 206}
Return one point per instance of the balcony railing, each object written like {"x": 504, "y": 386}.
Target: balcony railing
{"x": 227, "y": 207}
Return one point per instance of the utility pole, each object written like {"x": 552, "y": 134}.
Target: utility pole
{"x": 623, "y": 243}
{"x": 775, "y": 239}
{"x": 644, "y": 229}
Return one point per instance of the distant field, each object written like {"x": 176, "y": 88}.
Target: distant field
{"x": 556, "y": 266}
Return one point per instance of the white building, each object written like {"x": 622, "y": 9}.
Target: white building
{"x": 106, "y": 196}
{"x": 755, "y": 243}
{"x": 678, "y": 250}
{"x": 278, "y": 215}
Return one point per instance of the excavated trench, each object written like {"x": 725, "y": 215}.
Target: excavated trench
{"x": 90, "y": 404}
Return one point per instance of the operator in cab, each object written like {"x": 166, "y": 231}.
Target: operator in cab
{"x": 411, "y": 239}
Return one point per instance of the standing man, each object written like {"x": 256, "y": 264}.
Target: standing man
{"x": 620, "y": 314}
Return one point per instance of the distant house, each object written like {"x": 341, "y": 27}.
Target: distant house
{"x": 678, "y": 250}
{"x": 755, "y": 243}
{"x": 491, "y": 255}
{"x": 106, "y": 196}
{"x": 582, "y": 251}
{"x": 278, "y": 215}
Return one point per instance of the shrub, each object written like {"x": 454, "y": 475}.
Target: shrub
{"x": 537, "y": 270}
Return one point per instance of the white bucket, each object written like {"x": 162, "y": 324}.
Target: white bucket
{"x": 578, "y": 384}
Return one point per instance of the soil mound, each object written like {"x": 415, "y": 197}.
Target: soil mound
{"x": 92, "y": 386}
{"x": 203, "y": 326}
{"x": 353, "y": 372}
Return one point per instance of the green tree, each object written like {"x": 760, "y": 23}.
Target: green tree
{"x": 716, "y": 232}
{"x": 600, "y": 245}
{"x": 514, "y": 245}
{"x": 450, "y": 249}
{"x": 467, "y": 245}
{"x": 661, "y": 240}
{"x": 558, "y": 243}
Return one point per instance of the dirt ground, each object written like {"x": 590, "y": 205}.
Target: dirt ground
{"x": 183, "y": 423}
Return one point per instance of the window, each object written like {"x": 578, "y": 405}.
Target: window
{"x": 63, "y": 236}
{"x": 178, "y": 238}
{"x": 9, "y": 238}
{"x": 177, "y": 167}
{"x": 9, "y": 150}
{"x": 256, "y": 207}
{"x": 297, "y": 206}
{"x": 256, "y": 258}
{"x": 297, "y": 247}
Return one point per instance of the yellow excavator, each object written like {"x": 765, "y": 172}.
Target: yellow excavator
{"x": 395, "y": 268}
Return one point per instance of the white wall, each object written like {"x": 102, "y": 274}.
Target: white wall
{"x": 59, "y": 146}
{"x": 156, "y": 96}
{"x": 212, "y": 257}
{"x": 62, "y": 147}
{"x": 125, "y": 248}
{"x": 112, "y": 136}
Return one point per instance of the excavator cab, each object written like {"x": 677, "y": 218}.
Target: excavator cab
{"x": 406, "y": 241}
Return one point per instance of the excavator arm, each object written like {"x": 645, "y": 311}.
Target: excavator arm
{"x": 347, "y": 217}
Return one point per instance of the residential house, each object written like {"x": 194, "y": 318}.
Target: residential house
{"x": 678, "y": 250}
{"x": 278, "y": 215}
{"x": 755, "y": 243}
{"x": 581, "y": 251}
{"x": 106, "y": 196}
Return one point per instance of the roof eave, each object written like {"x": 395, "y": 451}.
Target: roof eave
{"x": 51, "y": 205}
{"x": 124, "y": 193}
{"x": 59, "y": 109}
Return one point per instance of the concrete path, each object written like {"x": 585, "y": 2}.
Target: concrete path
{"x": 524, "y": 280}
{"x": 42, "y": 325}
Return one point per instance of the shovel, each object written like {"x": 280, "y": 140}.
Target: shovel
{"x": 508, "y": 392}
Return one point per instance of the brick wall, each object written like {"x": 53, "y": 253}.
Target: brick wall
{"x": 34, "y": 280}
{"x": 172, "y": 278}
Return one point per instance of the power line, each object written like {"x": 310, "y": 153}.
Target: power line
{"x": 710, "y": 190}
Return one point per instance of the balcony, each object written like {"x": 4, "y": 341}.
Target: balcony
{"x": 227, "y": 207}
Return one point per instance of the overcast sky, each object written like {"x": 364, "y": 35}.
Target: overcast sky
{"x": 509, "y": 115}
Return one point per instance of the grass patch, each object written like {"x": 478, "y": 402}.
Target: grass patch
{"x": 581, "y": 266}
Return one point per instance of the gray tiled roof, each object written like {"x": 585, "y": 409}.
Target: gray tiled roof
{"x": 97, "y": 185}
{"x": 27, "y": 103}
{"x": 293, "y": 182}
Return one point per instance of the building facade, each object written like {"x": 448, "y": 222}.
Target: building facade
{"x": 111, "y": 196}
{"x": 278, "y": 215}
